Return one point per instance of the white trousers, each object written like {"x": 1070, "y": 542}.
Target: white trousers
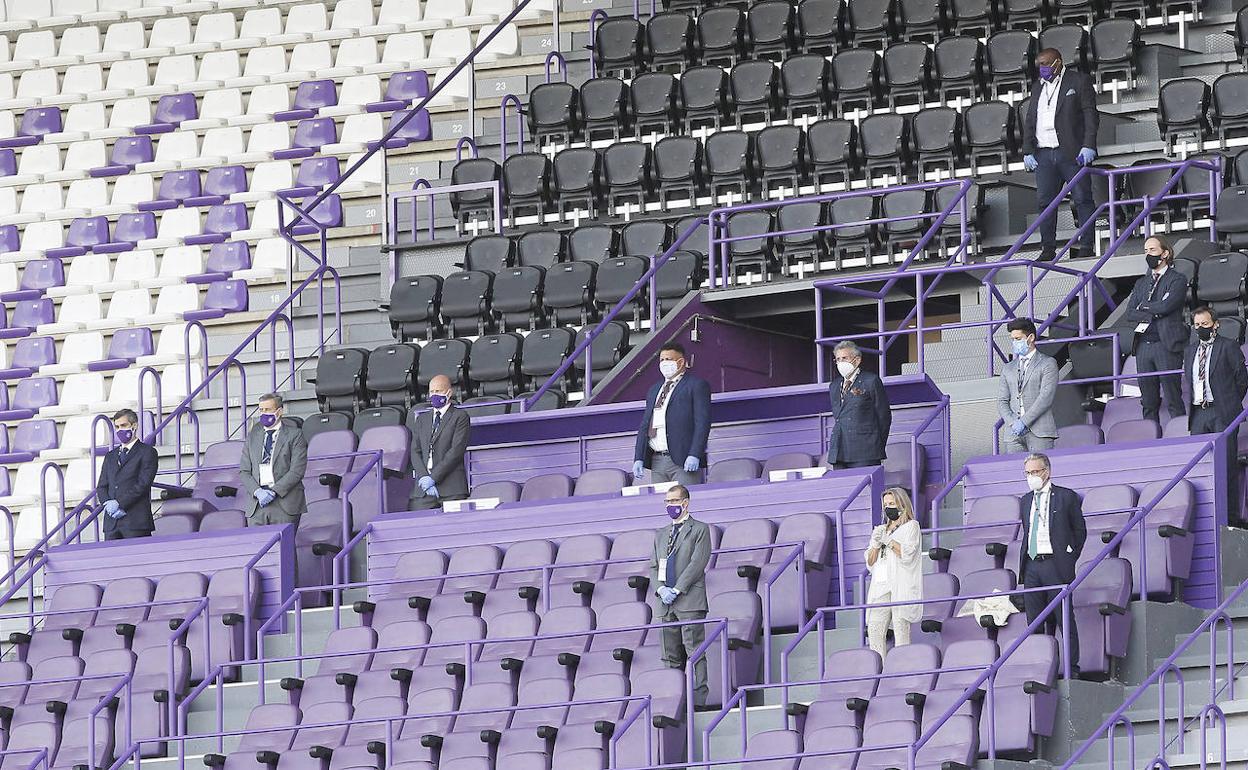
{"x": 878, "y": 619}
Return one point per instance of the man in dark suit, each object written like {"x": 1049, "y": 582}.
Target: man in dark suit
{"x": 1053, "y": 535}
{"x": 671, "y": 442}
{"x": 271, "y": 468}
{"x": 439, "y": 443}
{"x": 1059, "y": 137}
{"x": 1214, "y": 375}
{"x": 125, "y": 483}
{"x": 678, "y": 562}
{"x": 1156, "y": 308}
{"x": 860, "y": 408}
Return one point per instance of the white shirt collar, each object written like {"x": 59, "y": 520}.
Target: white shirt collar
{"x": 1030, "y": 354}
{"x": 130, "y": 446}
{"x": 442, "y": 412}
{"x": 1161, "y": 270}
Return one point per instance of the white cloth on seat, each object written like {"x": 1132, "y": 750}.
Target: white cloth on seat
{"x": 999, "y": 607}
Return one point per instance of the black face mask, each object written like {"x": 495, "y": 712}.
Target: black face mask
{"x": 1205, "y": 333}
{"x": 1152, "y": 261}
{"x": 893, "y": 514}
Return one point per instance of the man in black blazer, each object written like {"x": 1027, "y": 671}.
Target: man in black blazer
{"x": 1156, "y": 309}
{"x": 1214, "y": 375}
{"x": 861, "y": 412}
{"x": 1059, "y": 137}
{"x": 671, "y": 442}
{"x": 1053, "y": 536}
{"x": 439, "y": 443}
{"x": 125, "y": 483}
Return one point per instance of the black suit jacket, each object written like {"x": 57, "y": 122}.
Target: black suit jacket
{"x": 1165, "y": 310}
{"x": 688, "y": 420}
{"x": 130, "y": 484}
{"x": 448, "y": 449}
{"x": 1067, "y": 531}
{"x": 1228, "y": 379}
{"x": 1076, "y": 119}
{"x": 863, "y": 419}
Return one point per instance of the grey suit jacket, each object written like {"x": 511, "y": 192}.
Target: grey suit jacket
{"x": 289, "y": 460}
{"x": 1039, "y": 388}
{"x": 693, "y": 553}
{"x": 448, "y": 450}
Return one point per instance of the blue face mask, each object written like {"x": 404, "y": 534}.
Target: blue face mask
{"x": 675, "y": 511}
{"x": 437, "y": 400}
{"x": 1021, "y": 348}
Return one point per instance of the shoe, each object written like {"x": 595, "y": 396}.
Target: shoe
{"x": 1078, "y": 252}
{"x": 1047, "y": 256}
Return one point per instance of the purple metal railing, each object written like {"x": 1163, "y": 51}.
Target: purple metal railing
{"x": 1158, "y": 677}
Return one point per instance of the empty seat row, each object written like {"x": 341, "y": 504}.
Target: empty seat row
{"x": 1190, "y": 108}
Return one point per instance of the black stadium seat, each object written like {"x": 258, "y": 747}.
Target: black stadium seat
{"x": 592, "y": 243}
{"x": 541, "y": 248}
{"x": 682, "y": 273}
{"x": 721, "y": 35}
{"x": 975, "y": 17}
{"x": 340, "y": 379}
{"x": 494, "y": 365}
{"x": 618, "y": 46}
{"x": 922, "y": 19}
{"x": 526, "y": 185}
{"x": 486, "y": 406}
{"x": 491, "y": 253}
{"x": 908, "y": 73}
{"x": 569, "y": 293}
{"x": 517, "y": 300}
{"x": 1220, "y": 281}
{"x": 604, "y": 108}
{"x": 627, "y": 174}
{"x": 730, "y": 163}
{"x": 467, "y": 204}
{"x": 755, "y": 253}
{"x": 616, "y": 278}
{"x": 853, "y": 238}
{"x": 578, "y": 180}
{"x": 780, "y": 157}
{"x": 543, "y": 351}
{"x": 415, "y": 307}
{"x": 833, "y": 151}
{"x": 755, "y": 91}
{"x": 1241, "y": 34}
{"x": 902, "y": 235}
{"x": 392, "y": 375}
{"x": 1010, "y": 59}
{"x": 803, "y": 247}
{"x": 871, "y": 22}
{"x": 1230, "y": 105}
{"x": 938, "y": 139}
{"x": 679, "y": 169}
{"x": 991, "y": 133}
{"x": 325, "y": 422}
{"x": 885, "y": 139}
{"x": 670, "y": 41}
{"x": 819, "y": 26}
{"x": 1233, "y": 216}
{"x": 466, "y": 299}
{"x": 959, "y": 68}
{"x": 644, "y": 238}
{"x": 654, "y": 100}
{"x": 704, "y": 97}
{"x": 1115, "y": 47}
{"x": 1025, "y": 14}
{"x": 771, "y": 25}
{"x": 1183, "y": 109}
{"x": 554, "y": 113}
{"x": 448, "y": 357}
{"x": 1072, "y": 41}
{"x": 607, "y": 349}
{"x": 856, "y": 79}
{"x": 805, "y": 79}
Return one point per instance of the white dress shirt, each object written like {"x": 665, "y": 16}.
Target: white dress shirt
{"x": 440, "y": 414}
{"x": 266, "y": 469}
{"x": 658, "y": 420}
{"x": 1046, "y": 110}
{"x": 1024, "y": 363}
{"x": 1201, "y": 392}
{"x": 1041, "y": 502}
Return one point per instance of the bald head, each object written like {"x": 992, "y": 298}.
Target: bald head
{"x": 440, "y": 384}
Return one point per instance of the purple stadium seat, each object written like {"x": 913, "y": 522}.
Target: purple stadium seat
{"x": 176, "y": 187}
{"x": 417, "y": 129}
{"x": 327, "y": 213}
{"x": 564, "y": 649}
{"x": 390, "y": 603}
{"x": 857, "y": 670}
{"x": 395, "y": 444}
{"x": 176, "y": 524}
{"x": 898, "y": 466}
{"x": 219, "y": 184}
{"x": 37, "y": 276}
{"x": 222, "y": 298}
{"x": 8, "y": 162}
{"x": 773, "y": 743}
{"x": 1119, "y": 409}
{"x": 1072, "y": 436}
{"x": 29, "y": 354}
{"x": 266, "y": 717}
{"x": 314, "y": 174}
{"x": 10, "y": 240}
{"x": 129, "y": 230}
{"x": 600, "y": 481}
{"x": 176, "y": 596}
{"x": 1130, "y": 431}
{"x": 331, "y": 735}
{"x": 816, "y": 741}
{"x": 33, "y": 437}
{"x": 1169, "y": 540}
{"x": 101, "y": 635}
{"x": 347, "y": 650}
{"x": 215, "y": 521}
{"x": 516, "y": 587}
{"x": 734, "y": 469}
{"x": 125, "y": 347}
{"x": 402, "y": 89}
{"x": 151, "y": 676}
{"x": 228, "y": 601}
{"x": 323, "y": 476}
{"x": 36, "y": 122}
{"x": 979, "y": 582}
{"x": 546, "y": 487}
{"x": 398, "y": 647}
{"x": 1025, "y": 713}
{"x": 744, "y": 611}
{"x": 223, "y": 259}
{"x": 734, "y": 569}
{"x": 1106, "y": 509}
{"x": 214, "y": 489}
{"x": 974, "y": 656}
{"x": 935, "y": 585}
{"x": 127, "y": 152}
{"x": 814, "y": 530}
{"x": 1176, "y": 426}
{"x": 27, "y": 315}
{"x": 317, "y": 539}
{"x": 47, "y": 642}
{"x": 171, "y": 111}
{"x": 571, "y": 586}
{"x": 85, "y": 233}
{"x": 221, "y": 222}
{"x": 953, "y": 745}
{"x": 630, "y": 556}
{"x": 618, "y": 629}
{"x": 787, "y": 461}
{"x": 310, "y": 135}
{"x": 310, "y": 96}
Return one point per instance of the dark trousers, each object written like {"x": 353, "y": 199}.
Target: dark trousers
{"x": 1205, "y": 421}
{"x": 1152, "y": 356}
{"x": 679, "y": 644}
{"x": 122, "y": 534}
{"x": 1053, "y": 171}
{"x": 429, "y": 502}
{"x": 1045, "y": 573}
{"x": 857, "y": 464}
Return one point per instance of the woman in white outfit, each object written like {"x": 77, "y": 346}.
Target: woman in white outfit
{"x": 893, "y": 559}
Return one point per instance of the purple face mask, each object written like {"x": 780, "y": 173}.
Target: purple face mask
{"x": 437, "y": 400}
{"x": 1047, "y": 72}
{"x": 675, "y": 511}
{"x": 268, "y": 420}
{"x": 124, "y": 435}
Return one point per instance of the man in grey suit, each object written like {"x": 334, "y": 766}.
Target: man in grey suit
{"x": 682, "y": 550}
{"x": 439, "y": 443}
{"x": 1028, "y": 385}
{"x": 271, "y": 469}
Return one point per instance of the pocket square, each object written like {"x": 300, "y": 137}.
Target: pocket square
{"x": 1071, "y": 92}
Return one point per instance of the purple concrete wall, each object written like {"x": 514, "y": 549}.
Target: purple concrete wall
{"x": 1135, "y": 464}
{"x": 396, "y": 534}
{"x": 204, "y": 552}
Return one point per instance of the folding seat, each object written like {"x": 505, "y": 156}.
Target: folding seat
{"x": 832, "y": 151}
{"x": 1168, "y": 540}
{"x": 262, "y": 734}
{"x": 755, "y": 91}
{"x": 449, "y": 357}
{"x": 606, "y": 350}
{"x": 679, "y": 173}
{"x": 1130, "y": 431}
{"x": 31, "y": 396}
{"x": 326, "y": 731}
{"x": 900, "y": 236}
{"x": 670, "y": 41}
{"x": 616, "y": 279}
{"x": 1072, "y": 41}
{"x": 1025, "y": 712}
{"x": 391, "y": 375}
{"x": 819, "y": 26}
{"x": 805, "y": 79}
{"x": 577, "y": 180}
{"x": 37, "y": 314}
{"x": 886, "y": 145}
{"x": 101, "y": 635}
{"x": 546, "y": 487}
{"x": 544, "y": 351}
{"x": 890, "y": 703}
{"x": 1220, "y": 282}
{"x": 554, "y": 114}
{"x": 908, "y": 73}
{"x": 347, "y": 651}
{"x": 756, "y": 252}
{"x": 34, "y": 354}
{"x": 856, "y": 79}
{"x": 516, "y": 586}
{"x": 466, "y": 298}
{"x": 36, "y": 123}
{"x": 494, "y": 364}
{"x": 705, "y": 94}
{"x": 938, "y": 140}
{"x": 653, "y": 102}
{"x": 730, "y": 164}
{"x": 618, "y": 47}
{"x": 1114, "y": 45}
{"x": 378, "y": 416}
{"x": 414, "y": 307}
{"x": 421, "y": 573}
{"x": 849, "y": 236}
{"x": 973, "y": 657}
{"x": 736, "y": 570}
{"x": 959, "y": 68}
{"x": 541, "y": 248}
{"x": 734, "y": 469}
{"x": 854, "y": 674}
{"x": 991, "y": 133}
{"x": 526, "y": 182}
{"x": 79, "y": 395}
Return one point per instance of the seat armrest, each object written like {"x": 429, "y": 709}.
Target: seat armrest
{"x": 214, "y": 760}
{"x": 796, "y": 709}
{"x": 1169, "y": 530}
{"x": 1032, "y": 687}
{"x": 291, "y": 683}
{"x": 224, "y": 490}
{"x": 127, "y": 629}
{"x": 931, "y": 626}
{"x": 475, "y": 597}
{"x": 604, "y": 727}
{"x": 364, "y": 607}
{"x": 325, "y": 549}
{"x": 994, "y": 549}
{"x": 547, "y": 732}
{"x": 345, "y": 679}
{"x": 529, "y": 593}
{"x": 939, "y": 554}
{"x": 490, "y": 736}
{"x": 1107, "y": 535}
{"x": 749, "y": 571}
{"x": 401, "y": 674}
{"x": 915, "y": 699}
{"x": 622, "y": 654}
{"x": 329, "y": 480}
{"x": 856, "y": 704}
{"x": 455, "y": 669}
{"x": 583, "y": 587}
{"x": 638, "y": 581}
{"x": 320, "y": 752}
{"x": 515, "y": 664}
{"x": 1108, "y": 609}
{"x": 418, "y": 603}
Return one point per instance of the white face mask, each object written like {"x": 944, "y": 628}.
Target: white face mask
{"x": 1035, "y": 483}
{"x": 668, "y": 369}
{"x": 845, "y": 368}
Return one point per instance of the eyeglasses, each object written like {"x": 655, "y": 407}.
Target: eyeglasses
{"x": 1040, "y": 472}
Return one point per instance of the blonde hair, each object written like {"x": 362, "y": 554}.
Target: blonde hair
{"x": 902, "y": 498}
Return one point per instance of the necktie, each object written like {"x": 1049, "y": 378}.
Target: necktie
{"x": 1033, "y": 529}
{"x": 663, "y": 394}
{"x": 1152, "y": 291}
{"x": 121, "y": 456}
{"x": 671, "y": 555}
{"x": 1022, "y": 370}
{"x": 1202, "y": 362}
{"x": 268, "y": 446}
{"x": 437, "y": 421}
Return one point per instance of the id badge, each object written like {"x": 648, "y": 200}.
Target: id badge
{"x": 662, "y": 572}
{"x": 266, "y": 474}
{"x": 1141, "y": 328}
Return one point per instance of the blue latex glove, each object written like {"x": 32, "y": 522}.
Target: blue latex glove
{"x": 118, "y": 514}
{"x": 425, "y": 482}
{"x": 1086, "y": 156}
{"x": 667, "y": 594}
{"x": 432, "y": 491}
{"x": 1029, "y": 162}
{"x": 639, "y": 470}
{"x": 111, "y": 507}
{"x": 1018, "y": 428}
{"x": 265, "y": 496}
{"x": 692, "y": 464}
